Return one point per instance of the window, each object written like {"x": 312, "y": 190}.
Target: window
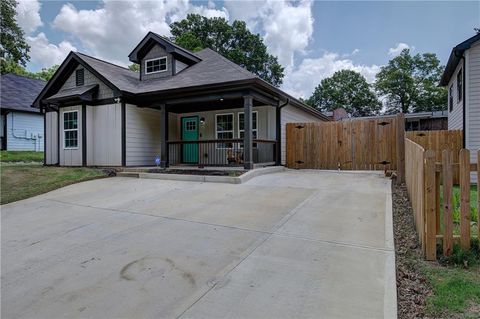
{"x": 459, "y": 85}
{"x": 224, "y": 129}
{"x": 241, "y": 126}
{"x": 450, "y": 98}
{"x": 79, "y": 77}
{"x": 156, "y": 65}
{"x": 70, "y": 130}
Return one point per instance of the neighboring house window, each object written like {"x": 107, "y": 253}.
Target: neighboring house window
{"x": 156, "y": 65}
{"x": 450, "y": 98}
{"x": 70, "y": 129}
{"x": 79, "y": 77}
{"x": 241, "y": 126}
{"x": 224, "y": 129}
{"x": 459, "y": 85}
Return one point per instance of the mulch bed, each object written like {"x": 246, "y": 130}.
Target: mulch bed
{"x": 412, "y": 286}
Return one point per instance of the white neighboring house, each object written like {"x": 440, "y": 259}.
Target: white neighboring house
{"x": 462, "y": 79}
{"x": 21, "y": 125}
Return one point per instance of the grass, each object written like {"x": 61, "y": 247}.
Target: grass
{"x": 456, "y": 208}
{"x": 24, "y": 181}
{"x": 20, "y": 156}
{"x": 456, "y": 292}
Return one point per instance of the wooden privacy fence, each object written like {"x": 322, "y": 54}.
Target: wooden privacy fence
{"x": 423, "y": 176}
{"x": 368, "y": 144}
{"x": 439, "y": 141}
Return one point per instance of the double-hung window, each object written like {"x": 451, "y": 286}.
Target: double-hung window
{"x": 156, "y": 65}
{"x": 70, "y": 130}
{"x": 241, "y": 126}
{"x": 459, "y": 86}
{"x": 224, "y": 129}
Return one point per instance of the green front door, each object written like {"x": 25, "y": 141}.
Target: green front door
{"x": 190, "y": 133}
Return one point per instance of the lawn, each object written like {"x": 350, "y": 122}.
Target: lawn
{"x": 456, "y": 292}
{"x": 23, "y": 181}
{"x": 20, "y": 156}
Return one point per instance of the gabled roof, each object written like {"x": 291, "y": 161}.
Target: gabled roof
{"x": 151, "y": 39}
{"x": 455, "y": 56}
{"x": 19, "y": 92}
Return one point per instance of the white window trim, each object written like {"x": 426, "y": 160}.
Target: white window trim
{"x": 216, "y": 129}
{"x": 160, "y": 58}
{"x": 238, "y": 126}
{"x": 69, "y": 130}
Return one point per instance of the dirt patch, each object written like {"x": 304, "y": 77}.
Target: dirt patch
{"x": 412, "y": 285}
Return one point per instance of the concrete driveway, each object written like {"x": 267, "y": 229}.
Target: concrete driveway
{"x": 285, "y": 245}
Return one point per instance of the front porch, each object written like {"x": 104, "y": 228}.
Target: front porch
{"x": 231, "y": 129}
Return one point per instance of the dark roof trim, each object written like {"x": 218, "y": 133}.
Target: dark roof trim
{"x": 83, "y": 93}
{"x": 64, "y": 71}
{"x": 455, "y": 57}
{"x": 171, "y": 47}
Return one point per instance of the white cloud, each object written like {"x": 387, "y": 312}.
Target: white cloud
{"x": 302, "y": 80}
{"x": 393, "y": 52}
{"x": 28, "y": 15}
{"x": 287, "y": 26}
{"x": 46, "y": 54}
{"x": 112, "y": 30}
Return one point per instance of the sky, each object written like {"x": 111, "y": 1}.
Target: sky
{"x": 312, "y": 39}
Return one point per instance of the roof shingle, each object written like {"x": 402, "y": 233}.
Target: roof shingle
{"x": 19, "y": 92}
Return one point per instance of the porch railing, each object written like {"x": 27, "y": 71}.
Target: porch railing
{"x": 220, "y": 152}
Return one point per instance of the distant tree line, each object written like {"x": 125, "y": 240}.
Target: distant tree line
{"x": 406, "y": 84}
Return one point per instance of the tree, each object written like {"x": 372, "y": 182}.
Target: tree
{"x": 134, "y": 67}
{"x": 347, "y": 89}
{"x": 46, "y": 73}
{"x": 13, "y": 48}
{"x": 235, "y": 42}
{"x": 409, "y": 83}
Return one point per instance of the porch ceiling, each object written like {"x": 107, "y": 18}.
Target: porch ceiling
{"x": 212, "y": 105}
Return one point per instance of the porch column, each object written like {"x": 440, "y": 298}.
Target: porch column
{"x": 163, "y": 136}
{"x": 247, "y": 137}
{"x": 278, "y": 135}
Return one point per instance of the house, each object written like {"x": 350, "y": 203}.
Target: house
{"x": 181, "y": 108}
{"x": 462, "y": 79}
{"x": 21, "y": 125}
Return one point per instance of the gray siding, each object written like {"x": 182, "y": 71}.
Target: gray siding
{"x": 51, "y": 138}
{"x": 156, "y": 52}
{"x": 71, "y": 157}
{"x": 24, "y": 131}
{"x": 142, "y": 135}
{"x": 179, "y": 66}
{"x": 473, "y": 103}
{"x": 455, "y": 118}
{"x": 104, "y": 135}
{"x": 104, "y": 91}
{"x": 291, "y": 114}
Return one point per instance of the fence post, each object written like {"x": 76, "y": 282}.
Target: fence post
{"x": 464, "y": 160}
{"x": 478, "y": 193}
{"x": 447, "y": 202}
{"x": 400, "y": 148}
{"x": 430, "y": 206}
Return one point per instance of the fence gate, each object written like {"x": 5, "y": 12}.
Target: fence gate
{"x": 369, "y": 144}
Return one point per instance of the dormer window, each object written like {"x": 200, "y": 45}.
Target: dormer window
{"x": 156, "y": 65}
{"x": 79, "y": 77}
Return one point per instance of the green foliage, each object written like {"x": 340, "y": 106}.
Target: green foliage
{"x": 13, "y": 47}
{"x": 347, "y": 89}
{"x": 233, "y": 41}
{"x": 134, "y": 67}
{"x": 409, "y": 83}
{"x": 461, "y": 257}
{"x": 46, "y": 73}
